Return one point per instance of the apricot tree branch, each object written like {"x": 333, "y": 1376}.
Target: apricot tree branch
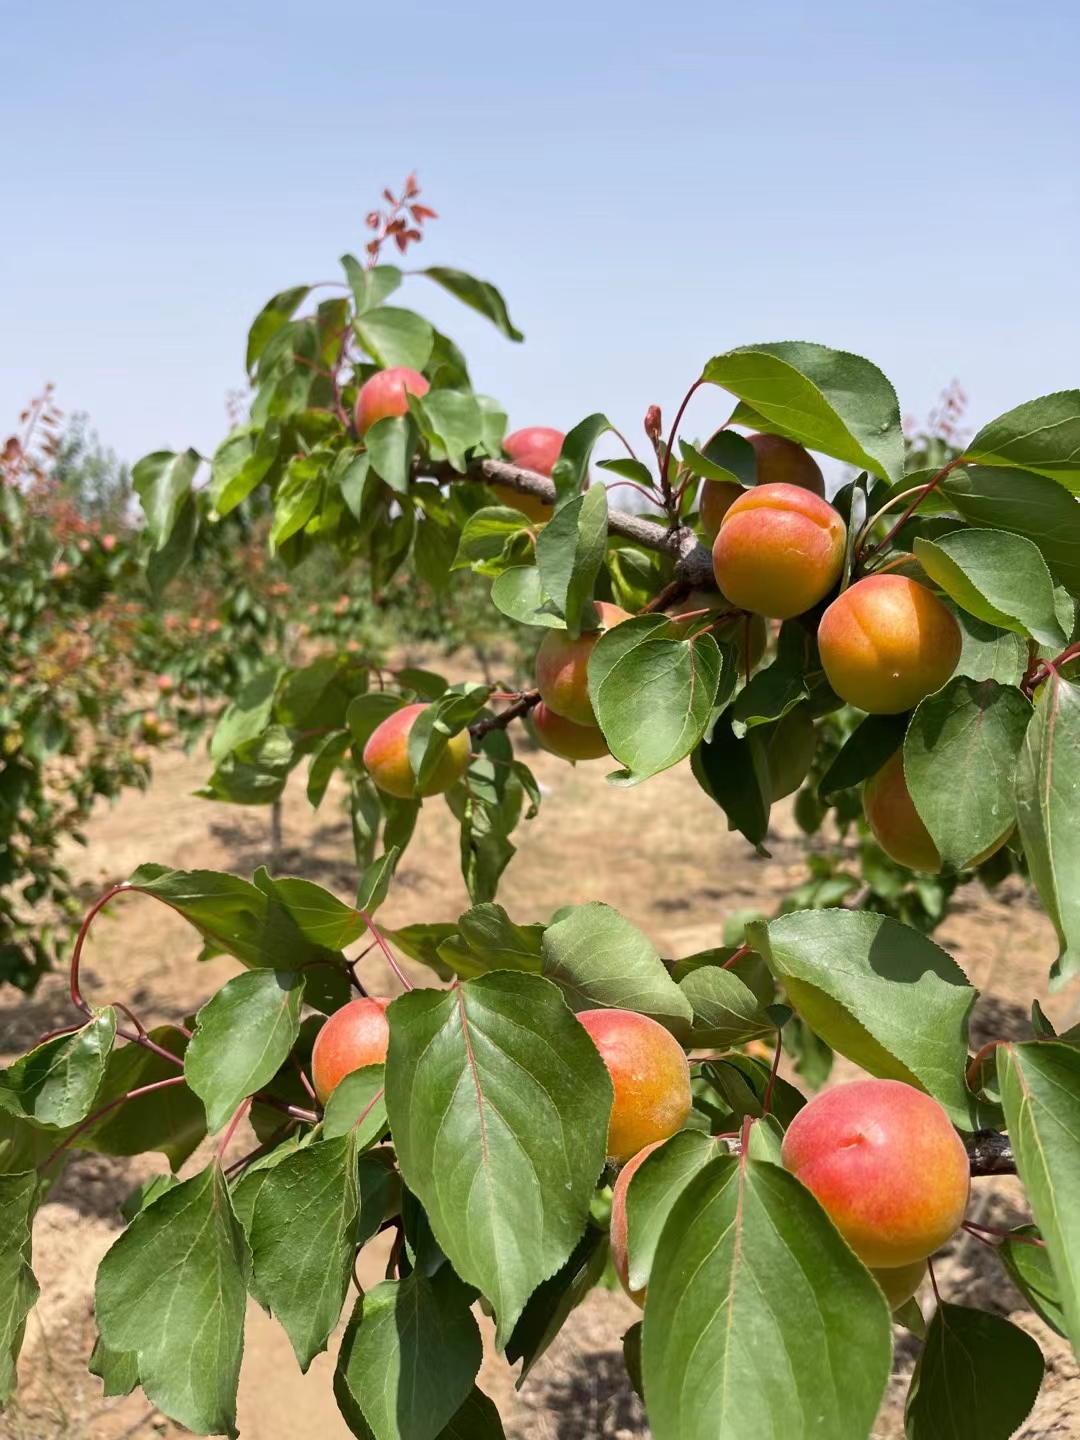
{"x": 990, "y": 1153}
{"x": 520, "y": 707}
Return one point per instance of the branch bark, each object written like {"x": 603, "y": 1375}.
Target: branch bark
{"x": 990, "y": 1153}
{"x": 693, "y": 560}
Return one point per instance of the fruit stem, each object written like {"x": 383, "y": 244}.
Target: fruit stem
{"x": 973, "y": 1068}
{"x": 238, "y": 1115}
{"x": 924, "y": 490}
{"x": 385, "y": 948}
{"x": 933, "y": 1281}
{"x": 1004, "y": 1234}
{"x": 739, "y": 953}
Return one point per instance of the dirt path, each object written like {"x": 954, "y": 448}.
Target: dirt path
{"x": 660, "y": 854}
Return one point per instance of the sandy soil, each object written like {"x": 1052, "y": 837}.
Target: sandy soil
{"x": 661, "y": 855}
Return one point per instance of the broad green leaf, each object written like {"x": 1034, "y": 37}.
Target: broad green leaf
{"x": 452, "y": 418}
{"x": 55, "y": 1083}
{"x": 246, "y": 717}
{"x": 242, "y": 461}
{"x": 242, "y": 1037}
{"x": 485, "y": 938}
{"x": 997, "y": 577}
{"x": 569, "y": 553}
{"x": 395, "y": 337}
{"x": 759, "y": 1319}
{"x": 653, "y": 1190}
{"x": 734, "y": 455}
{"x": 478, "y": 294}
{"x": 245, "y": 1189}
{"x": 438, "y": 723}
{"x": 769, "y": 695}
{"x": 552, "y": 1301}
{"x": 628, "y": 469}
{"x": 171, "y": 1120}
{"x": 370, "y": 285}
{"x": 863, "y": 753}
{"x": 146, "y": 1193}
{"x": 598, "y": 958}
{"x": 367, "y": 713}
{"x": 1031, "y": 1271}
{"x": 710, "y": 468}
{"x": 274, "y": 315}
{"x": 255, "y": 772}
{"x": 1025, "y": 504}
{"x": 1042, "y": 435}
{"x": 162, "y": 482}
{"x": 298, "y": 495}
{"x": 653, "y": 693}
{"x": 485, "y": 537}
{"x": 18, "y": 1288}
{"x": 163, "y": 565}
{"x": 409, "y": 1356}
{"x": 517, "y": 592}
{"x": 990, "y": 653}
{"x": 357, "y": 1106}
{"x": 499, "y": 1103}
{"x": 303, "y": 1241}
{"x": 960, "y": 757}
{"x": 1048, "y": 813}
{"x": 734, "y": 771}
{"x": 571, "y": 472}
{"x": 375, "y": 881}
{"x": 726, "y": 1011}
{"x": 118, "y": 1370}
{"x": 742, "y": 1081}
{"x": 391, "y": 444}
{"x": 1040, "y": 1091}
{"x": 173, "y": 1290}
{"x": 477, "y": 1419}
{"x": 881, "y": 993}
{"x": 976, "y": 1378}
{"x": 828, "y": 400}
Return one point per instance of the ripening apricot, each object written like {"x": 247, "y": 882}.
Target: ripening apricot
{"x": 650, "y": 1075}
{"x": 901, "y": 1283}
{"x": 385, "y": 393}
{"x": 715, "y": 499}
{"x": 784, "y": 462}
{"x": 790, "y": 745}
{"x": 386, "y": 756}
{"x": 780, "y": 550}
{"x": 562, "y": 666}
{"x": 620, "y": 1258}
{"x": 354, "y": 1036}
{"x": 565, "y": 738}
{"x": 887, "y": 642}
{"x": 536, "y": 447}
{"x": 898, "y": 827}
{"x": 885, "y": 1163}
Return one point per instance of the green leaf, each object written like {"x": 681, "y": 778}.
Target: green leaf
{"x": 1042, "y": 435}
{"x": 828, "y": 400}
{"x": 452, "y": 418}
{"x": 1033, "y": 1275}
{"x": 171, "y": 1120}
{"x": 726, "y": 1011}
{"x": 409, "y": 1356}
{"x": 391, "y": 444}
{"x": 370, "y": 286}
{"x": 315, "y": 914}
{"x": 518, "y": 593}
{"x": 1048, "y": 813}
{"x": 770, "y": 694}
{"x": 243, "y": 1035}
{"x": 241, "y": 462}
{"x": 357, "y": 1105}
{"x": 375, "y": 881}
{"x": 734, "y": 771}
{"x": 653, "y": 692}
{"x": 438, "y": 723}
{"x": 699, "y": 464}
{"x": 759, "y": 1319}
{"x": 274, "y": 315}
{"x": 960, "y": 758}
{"x": 163, "y": 566}
{"x": 733, "y": 454}
{"x": 653, "y": 1190}
{"x": 478, "y": 294}
{"x": 863, "y": 753}
{"x": 18, "y": 1288}
{"x": 485, "y": 539}
{"x": 998, "y": 577}
{"x": 572, "y": 467}
{"x": 569, "y": 553}
{"x": 145, "y": 1194}
{"x": 303, "y": 1241}
{"x": 55, "y": 1083}
{"x": 367, "y": 713}
{"x": 173, "y": 1290}
{"x": 552, "y": 1301}
{"x": 395, "y": 337}
{"x": 976, "y": 1378}
{"x": 485, "y": 938}
{"x": 880, "y": 992}
{"x": 598, "y": 958}
{"x": 1040, "y": 1091}
{"x": 499, "y": 1103}
{"x": 246, "y": 717}
{"x": 118, "y": 1370}
{"x": 162, "y": 482}
{"x": 1025, "y": 504}
{"x": 988, "y": 652}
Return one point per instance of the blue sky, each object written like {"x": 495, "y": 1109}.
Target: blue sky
{"x": 647, "y": 184}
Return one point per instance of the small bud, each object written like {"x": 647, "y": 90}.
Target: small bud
{"x": 653, "y": 422}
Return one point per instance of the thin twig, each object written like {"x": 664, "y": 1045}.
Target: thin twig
{"x": 521, "y": 706}
{"x": 385, "y": 948}
{"x": 92, "y": 1119}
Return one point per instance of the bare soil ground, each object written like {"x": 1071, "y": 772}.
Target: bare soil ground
{"x": 658, "y": 853}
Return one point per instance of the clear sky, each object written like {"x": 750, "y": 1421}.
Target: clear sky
{"x": 647, "y": 184}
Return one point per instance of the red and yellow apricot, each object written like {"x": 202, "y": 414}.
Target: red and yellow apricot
{"x": 785, "y": 462}
{"x": 386, "y": 393}
{"x": 562, "y": 667}
{"x": 386, "y": 756}
{"x": 885, "y": 1163}
{"x": 887, "y": 642}
{"x": 567, "y": 739}
{"x": 354, "y": 1036}
{"x": 650, "y": 1076}
{"x": 620, "y": 1258}
{"x": 536, "y": 447}
{"x": 779, "y": 551}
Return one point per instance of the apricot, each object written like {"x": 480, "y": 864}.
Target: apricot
{"x": 898, "y": 827}
{"x": 650, "y": 1075}
{"x": 885, "y": 1163}
{"x": 901, "y": 1283}
{"x": 780, "y": 550}
{"x": 354, "y": 1036}
{"x": 565, "y": 738}
{"x": 537, "y": 447}
{"x": 715, "y": 499}
{"x": 886, "y": 643}
{"x": 784, "y": 462}
{"x": 386, "y": 393}
{"x": 620, "y": 1258}
{"x": 386, "y": 756}
{"x": 789, "y": 747}
{"x": 562, "y": 667}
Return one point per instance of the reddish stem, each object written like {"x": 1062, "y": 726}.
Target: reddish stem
{"x": 665, "y": 464}
{"x": 973, "y": 1068}
{"x": 241, "y": 1111}
{"x": 650, "y": 495}
{"x": 385, "y": 948}
{"x": 303, "y": 1078}
{"x": 910, "y": 510}
{"x": 1004, "y": 1234}
{"x": 92, "y": 1119}
{"x": 80, "y": 939}
{"x": 933, "y": 1281}
{"x": 742, "y": 950}
{"x": 766, "y": 1104}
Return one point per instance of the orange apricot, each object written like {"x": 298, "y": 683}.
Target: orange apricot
{"x": 898, "y": 827}
{"x": 887, "y": 642}
{"x": 620, "y": 1258}
{"x": 785, "y": 462}
{"x": 354, "y": 1036}
{"x": 567, "y": 739}
{"x": 885, "y": 1163}
{"x": 386, "y": 393}
{"x": 562, "y": 667}
{"x": 386, "y": 756}
{"x": 715, "y": 499}
{"x": 650, "y": 1075}
{"x": 779, "y": 551}
{"x": 536, "y": 447}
